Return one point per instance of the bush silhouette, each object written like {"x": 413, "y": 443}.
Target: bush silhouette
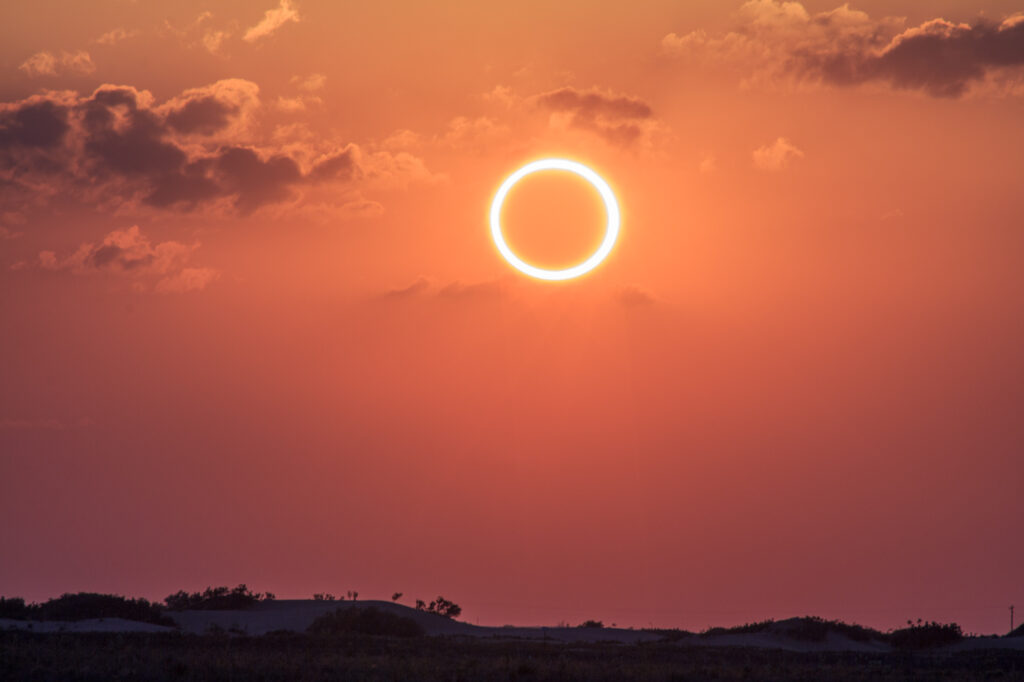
{"x": 217, "y": 599}
{"x": 925, "y": 635}
{"x": 739, "y": 629}
{"x": 440, "y": 606}
{"x": 368, "y": 621}
{"x": 14, "y": 608}
{"x": 815, "y": 629}
{"x": 591, "y": 624}
{"x": 85, "y": 605}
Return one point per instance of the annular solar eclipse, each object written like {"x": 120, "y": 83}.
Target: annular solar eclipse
{"x": 611, "y": 228}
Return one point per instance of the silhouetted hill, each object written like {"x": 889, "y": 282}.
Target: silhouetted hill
{"x": 83, "y": 606}
{"x": 257, "y": 614}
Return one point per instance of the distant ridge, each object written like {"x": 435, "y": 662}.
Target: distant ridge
{"x": 807, "y": 634}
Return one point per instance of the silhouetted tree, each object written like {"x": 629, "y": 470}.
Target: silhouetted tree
{"x": 84, "y": 605}
{"x": 14, "y": 608}
{"x": 440, "y": 606}
{"x": 925, "y": 635}
{"x": 323, "y": 596}
{"x": 217, "y": 599}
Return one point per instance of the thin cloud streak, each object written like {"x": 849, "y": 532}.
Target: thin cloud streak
{"x": 272, "y": 20}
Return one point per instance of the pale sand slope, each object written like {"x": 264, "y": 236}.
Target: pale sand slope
{"x": 89, "y": 625}
{"x": 297, "y": 615}
{"x": 776, "y": 636}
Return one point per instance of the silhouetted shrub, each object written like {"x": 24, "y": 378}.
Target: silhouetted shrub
{"x": 440, "y": 606}
{"x": 368, "y": 621}
{"x": 924, "y": 635}
{"x": 670, "y": 634}
{"x": 216, "y": 599}
{"x": 744, "y": 629}
{"x": 323, "y": 596}
{"x": 591, "y": 624}
{"x": 815, "y": 629}
{"x": 14, "y": 607}
{"x": 85, "y": 605}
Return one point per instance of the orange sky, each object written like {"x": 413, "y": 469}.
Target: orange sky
{"x": 255, "y": 328}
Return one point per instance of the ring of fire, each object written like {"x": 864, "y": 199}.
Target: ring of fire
{"x": 611, "y": 209}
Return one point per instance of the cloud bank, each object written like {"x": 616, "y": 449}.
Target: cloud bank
{"x": 163, "y": 267}
{"x": 117, "y": 145}
{"x": 619, "y": 119}
{"x": 845, "y": 47}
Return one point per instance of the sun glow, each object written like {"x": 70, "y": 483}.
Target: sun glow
{"x": 611, "y": 229}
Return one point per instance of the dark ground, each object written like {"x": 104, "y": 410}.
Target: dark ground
{"x": 64, "y": 656}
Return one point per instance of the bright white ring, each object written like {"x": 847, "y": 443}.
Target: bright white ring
{"x": 611, "y": 208}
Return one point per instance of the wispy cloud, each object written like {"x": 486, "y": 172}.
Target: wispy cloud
{"x": 619, "y": 119}
{"x": 116, "y": 35}
{"x": 634, "y": 296}
{"x": 776, "y": 156}
{"x": 51, "y": 64}
{"x": 273, "y": 19}
{"x": 161, "y": 267}
{"x": 452, "y": 291}
{"x": 310, "y": 83}
{"x": 201, "y": 32}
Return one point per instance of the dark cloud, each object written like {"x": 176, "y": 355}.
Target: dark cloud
{"x": 340, "y": 165}
{"x": 255, "y": 181}
{"x": 595, "y": 104}
{"x": 454, "y": 291}
{"x": 162, "y": 267}
{"x": 847, "y": 47}
{"x": 938, "y": 57}
{"x": 203, "y": 115}
{"x": 419, "y": 286}
{"x": 477, "y": 291}
{"x": 617, "y": 118}
{"x": 117, "y": 143}
{"x": 122, "y": 139}
{"x": 185, "y": 188}
{"x": 109, "y": 254}
{"x": 633, "y": 296}
{"x": 39, "y": 123}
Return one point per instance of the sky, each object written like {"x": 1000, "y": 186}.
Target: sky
{"x": 255, "y": 328}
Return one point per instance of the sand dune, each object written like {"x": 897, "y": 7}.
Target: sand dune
{"x": 88, "y": 625}
{"x": 297, "y": 615}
